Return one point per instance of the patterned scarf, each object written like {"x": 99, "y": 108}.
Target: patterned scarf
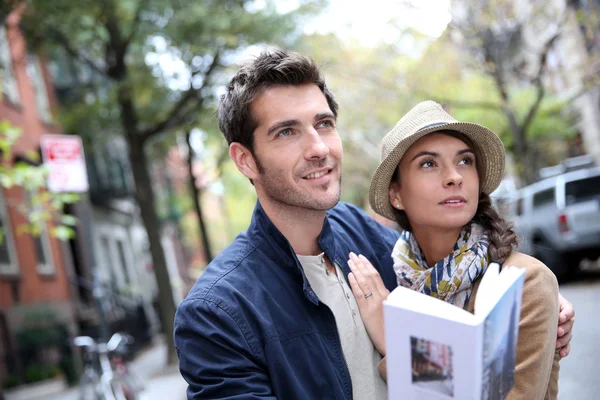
{"x": 452, "y": 278}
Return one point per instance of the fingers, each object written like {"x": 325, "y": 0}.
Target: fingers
{"x": 565, "y": 327}
{"x": 360, "y": 272}
{"x": 356, "y": 289}
{"x": 367, "y": 276}
{"x": 567, "y": 311}
{"x": 565, "y": 351}
{"x": 564, "y": 340}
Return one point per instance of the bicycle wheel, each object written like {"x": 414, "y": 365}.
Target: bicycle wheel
{"x": 89, "y": 386}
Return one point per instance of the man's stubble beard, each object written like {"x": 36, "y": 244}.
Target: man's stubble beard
{"x": 279, "y": 190}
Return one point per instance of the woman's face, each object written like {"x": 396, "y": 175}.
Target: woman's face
{"x": 438, "y": 185}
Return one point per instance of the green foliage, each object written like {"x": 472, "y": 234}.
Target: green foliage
{"x": 36, "y": 372}
{"x": 39, "y": 206}
{"x": 10, "y": 381}
{"x": 42, "y": 333}
{"x": 161, "y": 45}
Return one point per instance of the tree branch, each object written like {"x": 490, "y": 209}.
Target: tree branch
{"x": 177, "y": 114}
{"x": 135, "y": 23}
{"x": 484, "y": 105}
{"x": 541, "y": 90}
{"x": 62, "y": 40}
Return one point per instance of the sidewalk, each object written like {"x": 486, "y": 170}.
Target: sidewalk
{"x": 161, "y": 382}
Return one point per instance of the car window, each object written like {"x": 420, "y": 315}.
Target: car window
{"x": 543, "y": 198}
{"x": 519, "y": 208}
{"x": 582, "y": 190}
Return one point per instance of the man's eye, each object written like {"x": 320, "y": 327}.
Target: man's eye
{"x": 285, "y": 132}
{"x": 325, "y": 124}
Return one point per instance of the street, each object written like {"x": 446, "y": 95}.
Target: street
{"x": 160, "y": 382}
{"x": 579, "y": 371}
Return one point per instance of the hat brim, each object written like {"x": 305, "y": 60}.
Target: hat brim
{"x": 488, "y": 148}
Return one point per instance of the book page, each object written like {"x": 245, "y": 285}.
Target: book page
{"x": 431, "y": 357}
{"x": 493, "y": 285}
{"x": 501, "y": 329}
{"x": 428, "y": 305}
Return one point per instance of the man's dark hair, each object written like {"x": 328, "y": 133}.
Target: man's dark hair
{"x": 272, "y": 68}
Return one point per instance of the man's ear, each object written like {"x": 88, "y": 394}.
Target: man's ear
{"x": 243, "y": 159}
{"x": 395, "y": 199}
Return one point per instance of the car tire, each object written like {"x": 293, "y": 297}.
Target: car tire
{"x": 558, "y": 263}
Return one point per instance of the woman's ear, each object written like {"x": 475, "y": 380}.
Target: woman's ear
{"x": 395, "y": 199}
{"x": 244, "y": 160}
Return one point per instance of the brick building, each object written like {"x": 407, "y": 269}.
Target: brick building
{"x": 34, "y": 281}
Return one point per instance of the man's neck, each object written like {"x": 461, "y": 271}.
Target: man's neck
{"x": 436, "y": 244}
{"x": 300, "y": 226}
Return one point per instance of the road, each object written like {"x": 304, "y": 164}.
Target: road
{"x": 580, "y": 372}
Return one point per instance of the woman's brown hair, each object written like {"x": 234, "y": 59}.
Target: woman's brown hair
{"x": 500, "y": 232}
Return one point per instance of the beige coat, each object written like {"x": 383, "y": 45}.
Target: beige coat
{"x": 536, "y": 373}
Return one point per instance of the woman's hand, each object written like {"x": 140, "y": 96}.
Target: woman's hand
{"x": 369, "y": 292}
{"x": 566, "y": 319}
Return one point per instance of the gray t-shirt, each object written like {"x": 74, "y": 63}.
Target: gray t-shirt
{"x": 360, "y": 354}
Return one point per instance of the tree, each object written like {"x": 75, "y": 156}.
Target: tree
{"x": 153, "y": 66}
{"x": 510, "y": 42}
{"x": 40, "y": 207}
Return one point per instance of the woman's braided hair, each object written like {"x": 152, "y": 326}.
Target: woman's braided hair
{"x": 501, "y": 234}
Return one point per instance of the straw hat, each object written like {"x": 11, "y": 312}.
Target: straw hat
{"x": 425, "y": 118}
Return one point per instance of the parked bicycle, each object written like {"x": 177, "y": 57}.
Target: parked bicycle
{"x": 105, "y": 373}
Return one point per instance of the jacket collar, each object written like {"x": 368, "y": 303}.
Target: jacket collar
{"x": 262, "y": 226}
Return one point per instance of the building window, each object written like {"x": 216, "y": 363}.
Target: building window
{"x": 41, "y": 244}
{"x": 8, "y": 258}
{"x": 35, "y": 72}
{"x": 10, "y": 90}
{"x": 43, "y": 251}
{"x": 123, "y": 261}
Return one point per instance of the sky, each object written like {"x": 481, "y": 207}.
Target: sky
{"x": 369, "y": 22}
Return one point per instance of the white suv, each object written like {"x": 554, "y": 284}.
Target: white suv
{"x": 558, "y": 219}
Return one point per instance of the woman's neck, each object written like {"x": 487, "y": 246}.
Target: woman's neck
{"x": 436, "y": 244}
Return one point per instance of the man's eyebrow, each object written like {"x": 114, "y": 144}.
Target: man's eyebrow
{"x": 324, "y": 115}
{"x": 282, "y": 124}
{"x": 292, "y": 122}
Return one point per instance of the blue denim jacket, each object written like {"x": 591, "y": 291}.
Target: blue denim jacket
{"x": 252, "y": 327}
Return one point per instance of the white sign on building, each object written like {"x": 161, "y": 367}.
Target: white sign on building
{"x": 63, "y": 156}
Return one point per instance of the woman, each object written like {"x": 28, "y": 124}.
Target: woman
{"x": 434, "y": 179}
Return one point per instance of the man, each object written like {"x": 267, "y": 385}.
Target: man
{"x": 273, "y": 316}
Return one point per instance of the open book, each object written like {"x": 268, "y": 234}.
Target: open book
{"x": 436, "y": 350}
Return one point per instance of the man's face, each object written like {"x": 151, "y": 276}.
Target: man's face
{"x": 297, "y": 148}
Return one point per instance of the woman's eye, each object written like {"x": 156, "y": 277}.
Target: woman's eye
{"x": 466, "y": 161}
{"x": 427, "y": 164}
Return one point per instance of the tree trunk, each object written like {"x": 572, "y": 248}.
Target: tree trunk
{"x": 526, "y": 169}
{"x": 197, "y": 204}
{"x": 145, "y": 197}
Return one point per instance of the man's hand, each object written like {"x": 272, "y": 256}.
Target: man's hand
{"x": 566, "y": 319}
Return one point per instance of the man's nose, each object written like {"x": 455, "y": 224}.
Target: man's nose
{"x": 315, "y": 147}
